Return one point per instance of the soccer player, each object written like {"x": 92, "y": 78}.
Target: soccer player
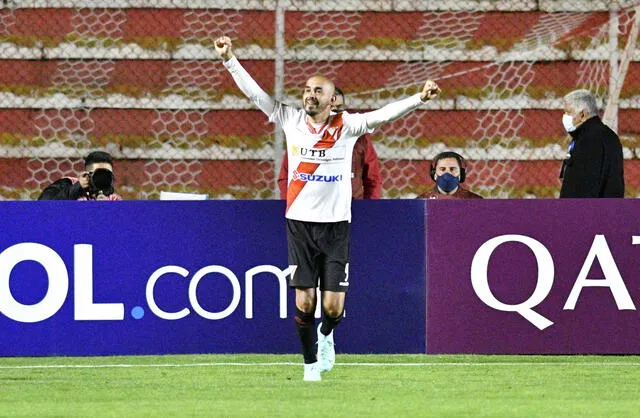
{"x": 366, "y": 182}
{"x": 318, "y": 209}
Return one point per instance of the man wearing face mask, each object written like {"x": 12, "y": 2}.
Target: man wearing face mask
{"x": 448, "y": 171}
{"x": 594, "y": 163}
{"x": 94, "y": 183}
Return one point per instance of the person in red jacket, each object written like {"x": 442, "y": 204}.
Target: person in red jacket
{"x": 366, "y": 182}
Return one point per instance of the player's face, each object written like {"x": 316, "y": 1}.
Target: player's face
{"x": 448, "y": 165}
{"x": 318, "y": 95}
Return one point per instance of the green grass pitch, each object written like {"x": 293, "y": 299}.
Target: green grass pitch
{"x": 359, "y": 385}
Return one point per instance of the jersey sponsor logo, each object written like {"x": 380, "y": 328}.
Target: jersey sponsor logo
{"x": 319, "y": 178}
{"x": 319, "y": 155}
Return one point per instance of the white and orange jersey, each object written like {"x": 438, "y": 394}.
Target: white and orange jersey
{"x": 319, "y": 155}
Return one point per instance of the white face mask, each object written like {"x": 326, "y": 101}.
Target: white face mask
{"x": 567, "y": 121}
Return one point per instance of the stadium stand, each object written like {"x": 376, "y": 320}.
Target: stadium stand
{"x": 143, "y": 83}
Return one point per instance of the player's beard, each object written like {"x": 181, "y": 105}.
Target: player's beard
{"x": 315, "y": 107}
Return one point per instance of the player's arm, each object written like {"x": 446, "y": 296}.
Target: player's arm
{"x": 395, "y": 110}
{"x": 243, "y": 79}
{"x": 63, "y": 189}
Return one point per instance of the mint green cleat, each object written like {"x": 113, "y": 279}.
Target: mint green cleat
{"x": 326, "y": 351}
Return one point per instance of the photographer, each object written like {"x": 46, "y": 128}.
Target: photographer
{"x": 94, "y": 183}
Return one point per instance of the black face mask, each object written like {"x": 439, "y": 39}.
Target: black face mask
{"x": 101, "y": 181}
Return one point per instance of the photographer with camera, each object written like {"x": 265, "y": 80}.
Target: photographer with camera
{"x": 94, "y": 183}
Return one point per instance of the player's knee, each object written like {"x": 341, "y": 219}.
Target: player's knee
{"x": 334, "y": 310}
{"x": 306, "y": 304}
{"x": 306, "y": 307}
{"x": 306, "y": 301}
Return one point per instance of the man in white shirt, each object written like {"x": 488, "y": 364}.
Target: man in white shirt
{"x": 319, "y": 148}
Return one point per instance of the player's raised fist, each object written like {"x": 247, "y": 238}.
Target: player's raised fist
{"x": 223, "y": 47}
{"x": 430, "y": 91}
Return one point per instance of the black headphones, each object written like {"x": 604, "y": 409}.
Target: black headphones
{"x": 449, "y": 154}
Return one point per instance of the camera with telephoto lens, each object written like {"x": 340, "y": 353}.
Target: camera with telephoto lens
{"x": 100, "y": 181}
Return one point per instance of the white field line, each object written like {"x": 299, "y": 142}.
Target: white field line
{"x": 285, "y": 363}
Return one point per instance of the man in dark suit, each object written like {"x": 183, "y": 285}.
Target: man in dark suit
{"x": 594, "y": 163}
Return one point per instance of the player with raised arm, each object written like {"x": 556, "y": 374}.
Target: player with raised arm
{"x": 366, "y": 182}
{"x": 318, "y": 211}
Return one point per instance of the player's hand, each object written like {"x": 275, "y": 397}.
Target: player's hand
{"x": 430, "y": 91}
{"x": 223, "y": 47}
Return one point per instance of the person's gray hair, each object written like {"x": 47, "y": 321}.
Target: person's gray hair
{"x": 582, "y": 100}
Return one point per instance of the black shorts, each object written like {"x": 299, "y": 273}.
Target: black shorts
{"x": 320, "y": 252}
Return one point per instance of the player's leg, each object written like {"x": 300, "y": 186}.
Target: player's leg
{"x": 333, "y": 310}
{"x": 305, "y": 322}
{"x": 334, "y": 283}
{"x": 305, "y": 325}
{"x": 304, "y": 278}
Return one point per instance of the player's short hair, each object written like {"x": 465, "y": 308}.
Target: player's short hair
{"x": 582, "y": 100}
{"x": 98, "y": 157}
{"x": 338, "y": 92}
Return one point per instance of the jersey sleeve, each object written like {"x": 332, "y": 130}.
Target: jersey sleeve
{"x": 365, "y": 123}
{"x": 276, "y": 111}
{"x": 249, "y": 87}
{"x": 283, "y": 113}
